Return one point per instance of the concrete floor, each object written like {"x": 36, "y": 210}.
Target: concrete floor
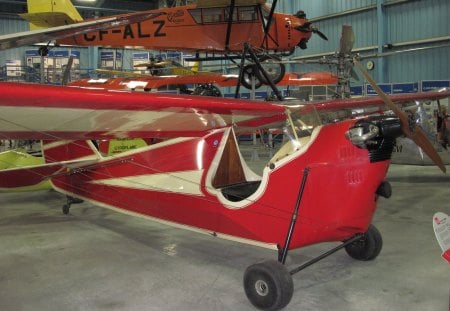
{"x": 97, "y": 259}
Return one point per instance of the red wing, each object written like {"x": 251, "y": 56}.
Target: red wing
{"x": 221, "y": 80}
{"x": 376, "y": 101}
{"x": 50, "y": 112}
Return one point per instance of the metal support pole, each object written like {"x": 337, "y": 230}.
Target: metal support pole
{"x": 324, "y": 255}
{"x": 283, "y": 254}
{"x": 230, "y": 23}
{"x": 241, "y": 72}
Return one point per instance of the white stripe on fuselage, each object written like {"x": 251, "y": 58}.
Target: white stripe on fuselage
{"x": 186, "y": 182}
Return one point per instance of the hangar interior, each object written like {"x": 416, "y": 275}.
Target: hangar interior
{"x": 96, "y": 258}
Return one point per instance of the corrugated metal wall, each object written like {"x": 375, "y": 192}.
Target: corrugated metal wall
{"x": 406, "y": 22}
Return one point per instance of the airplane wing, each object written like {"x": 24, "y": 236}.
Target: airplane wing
{"x": 221, "y": 80}
{"x": 30, "y": 111}
{"x": 310, "y": 78}
{"x": 349, "y": 103}
{"x": 43, "y": 35}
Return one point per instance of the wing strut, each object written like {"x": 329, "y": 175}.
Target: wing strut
{"x": 230, "y": 23}
{"x": 257, "y": 66}
{"x": 269, "y": 22}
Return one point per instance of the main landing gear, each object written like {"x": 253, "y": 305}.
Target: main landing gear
{"x": 70, "y": 201}
{"x": 266, "y": 69}
{"x": 269, "y": 284}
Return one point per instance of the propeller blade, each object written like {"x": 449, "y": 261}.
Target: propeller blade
{"x": 347, "y": 39}
{"x": 354, "y": 75}
{"x": 418, "y": 136}
{"x": 321, "y": 34}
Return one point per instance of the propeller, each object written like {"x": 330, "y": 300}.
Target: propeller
{"x": 416, "y": 133}
{"x": 307, "y": 26}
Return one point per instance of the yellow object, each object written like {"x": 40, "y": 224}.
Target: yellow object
{"x": 121, "y": 145}
{"x": 50, "y": 13}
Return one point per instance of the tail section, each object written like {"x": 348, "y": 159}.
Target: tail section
{"x": 57, "y": 151}
{"x": 50, "y": 13}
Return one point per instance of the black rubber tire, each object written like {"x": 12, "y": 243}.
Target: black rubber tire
{"x": 248, "y": 73}
{"x": 368, "y": 247}
{"x": 268, "y": 285}
{"x": 275, "y": 71}
{"x": 207, "y": 90}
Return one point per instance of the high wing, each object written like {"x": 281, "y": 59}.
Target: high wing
{"x": 30, "y": 111}
{"x": 52, "y": 112}
{"x": 43, "y": 35}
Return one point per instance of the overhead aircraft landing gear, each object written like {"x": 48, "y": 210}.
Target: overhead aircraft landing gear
{"x": 70, "y": 201}
{"x": 270, "y": 72}
{"x": 269, "y": 284}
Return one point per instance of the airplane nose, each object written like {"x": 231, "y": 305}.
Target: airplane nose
{"x": 306, "y": 27}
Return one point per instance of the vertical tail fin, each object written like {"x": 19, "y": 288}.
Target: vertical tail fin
{"x": 55, "y": 151}
{"x": 49, "y": 13}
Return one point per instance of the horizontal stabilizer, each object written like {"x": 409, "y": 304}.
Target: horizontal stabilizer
{"x": 47, "y": 19}
{"x": 69, "y": 151}
{"x": 27, "y": 178}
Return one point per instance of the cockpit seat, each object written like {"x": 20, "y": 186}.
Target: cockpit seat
{"x": 238, "y": 192}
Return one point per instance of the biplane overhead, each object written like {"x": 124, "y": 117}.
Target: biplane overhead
{"x": 194, "y": 177}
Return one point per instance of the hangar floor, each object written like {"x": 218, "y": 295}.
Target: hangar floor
{"x": 97, "y": 259}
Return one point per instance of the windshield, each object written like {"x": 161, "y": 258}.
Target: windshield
{"x": 300, "y": 125}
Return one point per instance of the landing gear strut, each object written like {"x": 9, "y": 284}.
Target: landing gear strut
{"x": 70, "y": 201}
{"x": 269, "y": 284}
{"x": 271, "y": 73}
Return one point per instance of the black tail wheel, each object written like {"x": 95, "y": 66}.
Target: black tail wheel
{"x": 368, "y": 247}
{"x": 274, "y": 69}
{"x": 268, "y": 285}
{"x": 248, "y": 73}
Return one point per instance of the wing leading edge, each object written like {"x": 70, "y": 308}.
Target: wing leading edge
{"x": 50, "y": 112}
{"x": 43, "y": 35}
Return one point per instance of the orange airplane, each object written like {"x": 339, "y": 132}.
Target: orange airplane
{"x": 208, "y": 26}
{"x": 222, "y": 27}
{"x": 245, "y": 29}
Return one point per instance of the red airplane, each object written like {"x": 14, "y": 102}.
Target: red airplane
{"x": 194, "y": 177}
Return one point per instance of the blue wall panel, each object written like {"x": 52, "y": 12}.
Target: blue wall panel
{"x": 406, "y": 23}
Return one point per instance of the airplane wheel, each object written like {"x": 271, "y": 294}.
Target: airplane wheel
{"x": 207, "y": 90}
{"x": 274, "y": 69}
{"x": 268, "y": 285}
{"x": 43, "y": 51}
{"x": 368, "y": 247}
{"x": 65, "y": 209}
{"x": 248, "y": 73}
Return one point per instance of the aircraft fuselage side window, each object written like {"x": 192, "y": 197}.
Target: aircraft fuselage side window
{"x": 221, "y": 15}
{"x": 196, "y": 15}
{"x": 248, "y": 13}
{"x": 212, "y": 15}
{"x": 227, "y": 14}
